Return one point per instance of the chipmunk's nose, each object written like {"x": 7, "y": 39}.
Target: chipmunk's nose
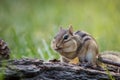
{"x": 57, "y": 46}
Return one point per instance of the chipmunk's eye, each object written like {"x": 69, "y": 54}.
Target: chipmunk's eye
{"x": 65, "y": 36}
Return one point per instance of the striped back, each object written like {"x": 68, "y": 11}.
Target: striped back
{"x": 84, "y": 35}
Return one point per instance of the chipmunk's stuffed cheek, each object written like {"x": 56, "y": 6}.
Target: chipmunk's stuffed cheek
{"x": 70, "y": 46}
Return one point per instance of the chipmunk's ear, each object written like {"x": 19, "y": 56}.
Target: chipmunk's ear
{"x": 70, "y": 29}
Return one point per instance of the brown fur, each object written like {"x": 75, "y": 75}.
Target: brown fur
{"x": 79, "y": 44}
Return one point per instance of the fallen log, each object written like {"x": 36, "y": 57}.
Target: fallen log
{"x": 35, "y": 69}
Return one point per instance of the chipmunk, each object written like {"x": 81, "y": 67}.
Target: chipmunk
{"x": 78, "y": 45}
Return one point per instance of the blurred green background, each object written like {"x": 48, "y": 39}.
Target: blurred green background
{"x": 28, "y": 26}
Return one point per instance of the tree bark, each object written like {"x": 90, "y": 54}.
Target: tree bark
{"x": 35, "y": 69}
{"x": 107, "y": 61}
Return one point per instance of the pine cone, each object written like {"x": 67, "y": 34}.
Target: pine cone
{"x": 4, "y": 50}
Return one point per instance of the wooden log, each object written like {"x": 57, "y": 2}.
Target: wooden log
{"x": 35, "y": 69}
{"x": 110, "y": 62}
